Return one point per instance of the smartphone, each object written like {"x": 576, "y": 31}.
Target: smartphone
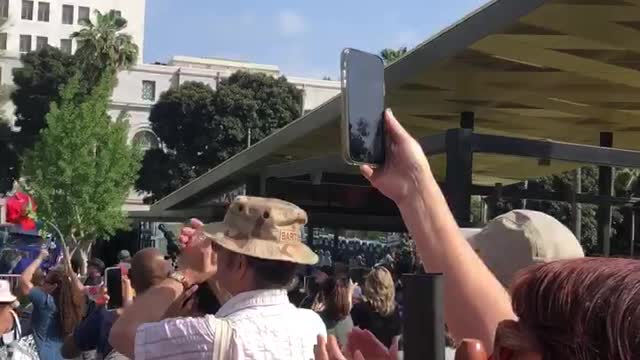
{"x": 362, "y": 127}
{"x": 113, "y": 283}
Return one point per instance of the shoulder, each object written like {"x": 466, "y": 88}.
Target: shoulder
{"x": 313, "y": 320}
{"x": 38, "y": 297}
{"x": 173, "y": 337}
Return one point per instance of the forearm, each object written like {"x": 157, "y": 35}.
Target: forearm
{"x": 24, "y": 282}
{"x": 475, "y": 301}
{"x": 148, "y": 307}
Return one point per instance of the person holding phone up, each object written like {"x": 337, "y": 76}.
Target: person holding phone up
{"x": 148, "y": 268}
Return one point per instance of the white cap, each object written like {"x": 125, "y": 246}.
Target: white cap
{"x": 519, "y": 238}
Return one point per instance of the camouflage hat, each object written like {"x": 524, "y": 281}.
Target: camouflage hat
{"x": 263, "y": 228}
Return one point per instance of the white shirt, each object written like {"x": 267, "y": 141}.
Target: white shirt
{"x": 265, "y": 326}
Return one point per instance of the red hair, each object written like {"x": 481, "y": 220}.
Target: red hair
{"x": 587, "y": 309}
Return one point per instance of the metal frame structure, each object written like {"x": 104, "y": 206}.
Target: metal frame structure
{"x": 495, "y": 83}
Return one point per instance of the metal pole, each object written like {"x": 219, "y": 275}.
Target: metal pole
{"x": 423, "y": 317}
{"x": 632, "y": 230}
{"x": 248, "y": 138}
{"x": 576, "y": 206}
{"x": 459, "y": 174}
{"x": 605, "y": 188}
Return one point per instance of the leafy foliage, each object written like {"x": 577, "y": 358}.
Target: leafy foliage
{"x": 391, "y": 55}
{"x": 82, "y": 168}
{"x": 625, "y": 184}
{"x": 104, "y": 46}
{"x": 201, "y": 127}
{"x": 38, "y": 84}
{"x": 44, "y": 72}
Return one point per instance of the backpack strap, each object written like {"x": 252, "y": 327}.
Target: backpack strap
{"x": 222, "y": 339}
{"x": 17, "y": 330}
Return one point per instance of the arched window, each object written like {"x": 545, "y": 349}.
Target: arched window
{"x": 146, "y": 140}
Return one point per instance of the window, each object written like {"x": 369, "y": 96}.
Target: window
{"x": 3, "y": 41}
{"x": 43, "y": 11}
{"x": 27, "y": 10}
{"x": 83, "y": 14}
{"x": 25, "y": 43}
{"x": 67, "y": 14}
{"x": 146, "y": 140}
{"x": 41, "y": 42}
{"x": 148, "y": 90}
{"x": 65, "y": 46}
{"x": 4, "y": 8}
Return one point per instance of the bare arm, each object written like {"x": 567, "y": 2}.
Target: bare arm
{"x": 75, "y": 280}
{"x": 475, "y": 302}
{"x": 24, "y": 282}
{"x": 148, "y": 307}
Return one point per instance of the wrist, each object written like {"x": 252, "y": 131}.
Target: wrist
{"x": 183, "y": 277}
{"x": 422, "y": 186}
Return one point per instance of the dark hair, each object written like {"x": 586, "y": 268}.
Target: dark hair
{"x": 97, "y": 263}
{"x": 207, "y": 301}
{"x": 587, "y": 309}
{"x": 272, "y": 274}
{"x": 336, "y": 298}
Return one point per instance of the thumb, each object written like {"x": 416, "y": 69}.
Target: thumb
{"x": 394, "y": 129}
{"x": 358, "y": 355}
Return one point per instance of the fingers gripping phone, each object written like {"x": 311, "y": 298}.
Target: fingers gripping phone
{"x": 113, "y": 283}
{"x": 362, "y": 126}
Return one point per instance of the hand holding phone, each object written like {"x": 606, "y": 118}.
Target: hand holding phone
{"x": 363, "y": 135}
{"x": 113, "y": 283}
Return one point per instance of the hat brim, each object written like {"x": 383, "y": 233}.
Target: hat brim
{"x": 297, "y": 253}
{"x": 7, "y": 299}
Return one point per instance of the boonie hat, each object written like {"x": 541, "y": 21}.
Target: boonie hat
{"x": 263, "y": 228}
{"x": 519, "y": 238}
{"x": 5, "y": 292}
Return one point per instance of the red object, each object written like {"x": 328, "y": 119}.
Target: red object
{"x": 21, "y": 211}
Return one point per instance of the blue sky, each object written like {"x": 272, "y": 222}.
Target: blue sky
{"x": 302, "y": 37}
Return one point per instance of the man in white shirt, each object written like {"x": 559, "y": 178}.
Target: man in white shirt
{"x": 253, "y": 255}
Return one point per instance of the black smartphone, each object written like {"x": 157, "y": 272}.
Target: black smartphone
{"x": 113, "y": 283}
{"x": 363, "y": 139}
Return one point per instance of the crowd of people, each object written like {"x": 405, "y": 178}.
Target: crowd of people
{"x": 250, "y": 288}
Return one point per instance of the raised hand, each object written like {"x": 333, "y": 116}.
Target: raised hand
{"x": 404, "y": 165}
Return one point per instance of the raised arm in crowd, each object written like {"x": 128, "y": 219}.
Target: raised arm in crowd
{"x": 475, "y": 302}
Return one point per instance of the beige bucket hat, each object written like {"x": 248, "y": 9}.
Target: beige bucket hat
{"x": 263, "y": 228}
{"x": 519, "y": 238}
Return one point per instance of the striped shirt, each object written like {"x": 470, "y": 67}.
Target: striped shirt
{"x": 265, "y": 326}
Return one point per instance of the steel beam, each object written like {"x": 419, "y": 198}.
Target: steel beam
{"x": 554, "y": 150}
{"x": 605, "y": 188}
{"x": 459, "y": 174}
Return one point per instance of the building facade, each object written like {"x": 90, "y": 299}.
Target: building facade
{"x": 139, "y": 88}
{"x": 32, "y": 24}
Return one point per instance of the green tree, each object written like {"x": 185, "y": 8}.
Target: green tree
{"x": 201, "y": 127}
{"x": 104, "y": 45}
{"x": 82, "y": 168}
{"x": 38, "y": 84}
{"x": 391, "y": 55}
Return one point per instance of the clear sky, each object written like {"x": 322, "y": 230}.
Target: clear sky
{"x": 302, "y": 37}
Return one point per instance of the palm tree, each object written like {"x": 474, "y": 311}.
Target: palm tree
{"x": 103, "y": 45}
{"x": 391, "y": 55}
